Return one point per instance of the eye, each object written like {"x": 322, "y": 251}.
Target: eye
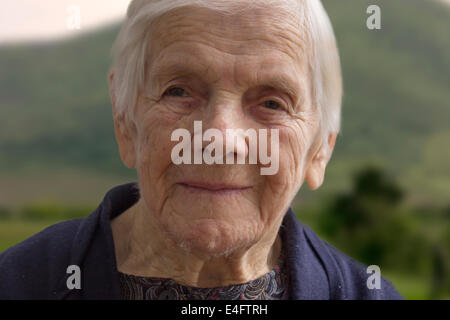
{"x": 176, "y": 92}
{"x": 270, "y": 104}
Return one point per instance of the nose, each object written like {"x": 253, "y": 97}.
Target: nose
{"x": 225, "y": 118}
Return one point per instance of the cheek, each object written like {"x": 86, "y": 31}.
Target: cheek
{"x": 153, "y": 161}
{"x": 154, "y": 152}
{"x": 293, "y": 148}
{"x": 155, "y": 129}
{"x": 281, "y": 188}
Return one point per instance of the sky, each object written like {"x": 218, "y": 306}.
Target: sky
{"x": 24, "y": 20}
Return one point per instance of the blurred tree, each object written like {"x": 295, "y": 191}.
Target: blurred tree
{"x": 4, "y": 213}
{"x": 370, "y": 224}
{"x": 374, "y": 183}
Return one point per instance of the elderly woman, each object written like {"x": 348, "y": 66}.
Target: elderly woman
{"x": 202, "y": 230}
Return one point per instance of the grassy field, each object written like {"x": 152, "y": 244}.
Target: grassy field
{"x": 410, "y": 286}
{"x": 15, "y": 231}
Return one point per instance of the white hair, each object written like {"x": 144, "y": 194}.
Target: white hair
{"x": 130, "y": 50}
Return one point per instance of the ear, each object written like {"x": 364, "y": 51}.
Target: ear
{"x": 125, "y": 130}
{"x": 315, "y": 171}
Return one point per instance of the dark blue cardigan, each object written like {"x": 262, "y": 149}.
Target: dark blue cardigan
{"x": 36, "y": 268}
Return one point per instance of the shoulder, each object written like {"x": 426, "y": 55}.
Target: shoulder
{"x": 355, "y": 278}
{"x": 33, "y": 265}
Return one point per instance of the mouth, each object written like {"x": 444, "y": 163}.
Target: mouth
{"x": 214, "y": 188}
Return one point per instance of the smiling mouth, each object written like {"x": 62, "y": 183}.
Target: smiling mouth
{"x": 213, "y": 188}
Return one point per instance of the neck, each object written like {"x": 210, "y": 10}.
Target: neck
{"x": 142, "y": 249}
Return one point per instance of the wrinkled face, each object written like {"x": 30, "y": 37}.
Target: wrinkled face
{"x": 245, "y": 71}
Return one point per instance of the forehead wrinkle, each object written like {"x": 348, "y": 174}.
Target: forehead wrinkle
{"x": 249, "y": 45}
{"x": 198, "y": 62}
{"x": 216, "y": 30}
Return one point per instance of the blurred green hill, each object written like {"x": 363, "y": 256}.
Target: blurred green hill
{"x": 56, "y": 130}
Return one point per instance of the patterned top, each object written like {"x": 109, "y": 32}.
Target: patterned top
{"x": 271, "y": 286}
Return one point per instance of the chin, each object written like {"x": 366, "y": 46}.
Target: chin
{"x": 210, "y": 237}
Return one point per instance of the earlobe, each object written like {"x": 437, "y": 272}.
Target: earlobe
{"x": 331, "y": 143}
{"x": 125, "y": 143}
{"x": 315, "y": 171}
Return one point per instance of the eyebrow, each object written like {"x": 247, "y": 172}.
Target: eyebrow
{"x": 176, "y": 67}
{"x": 283, "y": 83}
